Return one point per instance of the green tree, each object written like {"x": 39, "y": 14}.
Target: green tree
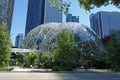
{"x": 17, "y": 59}
{"x": 62, "y": 6}
{"x": 31, "y": 59}
{"x": 86, "y": 4}
{"x": 113, "y": 52}
{"x": 64, "y": 59}
{"x": 90, "y": 4}
{"x": 5, "y": 45}
{"x": 47, "y": 59}
{"x": 20, "y": 58}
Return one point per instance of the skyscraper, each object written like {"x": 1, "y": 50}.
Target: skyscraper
{"x": 105, "y": 23}
{"x": 40, "y": 12}
{"x": 19, "y": 39}
{"x": 6, "y": 12}
{"x": 70, "y": 18}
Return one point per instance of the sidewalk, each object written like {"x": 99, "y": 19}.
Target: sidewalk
{"x": 99, "y": 70}
{"x": 29, "y": 70}
{"x": 19, "y": 69}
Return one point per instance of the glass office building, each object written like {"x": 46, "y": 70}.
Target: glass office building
{"x": 40, "y": 12}
{"x": 19, "y": 39}
{"x": 6, "y": 12}
{"x": 70, "y": 18}
{"x": 105, "y": 23}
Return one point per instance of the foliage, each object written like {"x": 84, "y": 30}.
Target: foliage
{"x": 86, "y": 4}
{"x": 64, "y": 55}
{"x": 17, "y": 59}
{"x": 20, "y": 58}
{"x": 12, "y": 62}
{"x": 6, "y": 69}
{"x": 47, "y": 59}
{"x": 62, "y": 6}
{"x": 113, "y": 52}
{"x": 5, "y": 45}
{"x": 31, "y": 59}
{"x": 107, "y": 60}
{"x": 72, "y": 53}
{"x": 97, "y": 62}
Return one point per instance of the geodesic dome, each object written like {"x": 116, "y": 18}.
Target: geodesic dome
{"x": 43, "y": 37}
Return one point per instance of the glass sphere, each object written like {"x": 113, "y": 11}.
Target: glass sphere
{"x": 43, "y": 37}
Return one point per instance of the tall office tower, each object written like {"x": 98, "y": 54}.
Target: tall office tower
{"x": 70, "y": 18}
{"x": 19, "y": 39}
{"x": 105, "y": 23}
{"x": 40, "y": 12}
{"x": 6, "y": 12}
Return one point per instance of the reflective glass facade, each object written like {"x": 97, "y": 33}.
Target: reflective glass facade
{"x": 43, "y": 37}
{"x": 70, "y": 18}
{"x": 6, "y": 11}
{"x": 19, "y": 39}
{"x": 105, "y": 23}
{"x": 52, "y": 14}
{"x": 40, "y": 12}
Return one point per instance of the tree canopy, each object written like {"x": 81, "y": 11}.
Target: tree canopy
{"x": 31, "y": 59}
{"x": 113, "y": 52}
{"x": 63, "y": 59}
{"x": 86, "y": 4}
{"x": 90, "y": 4}
{"x": 5, "y": 45}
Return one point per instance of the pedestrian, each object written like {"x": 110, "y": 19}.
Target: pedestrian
{"x": 31, "y": 66}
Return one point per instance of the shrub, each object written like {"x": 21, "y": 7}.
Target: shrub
{"x": 6, "y": 69}
{"x": 30, "y": 59}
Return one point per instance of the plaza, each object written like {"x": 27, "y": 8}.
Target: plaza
{"x": 59, "y": 76}
{"x": 46, "y": 74}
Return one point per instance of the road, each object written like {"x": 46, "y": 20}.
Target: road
{"x": 58, "y": 76}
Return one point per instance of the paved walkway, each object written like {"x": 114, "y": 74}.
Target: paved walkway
{"x": 46, "y": 74}
{"x": 18, "y": 69}
{"x": 58, "y": 76}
